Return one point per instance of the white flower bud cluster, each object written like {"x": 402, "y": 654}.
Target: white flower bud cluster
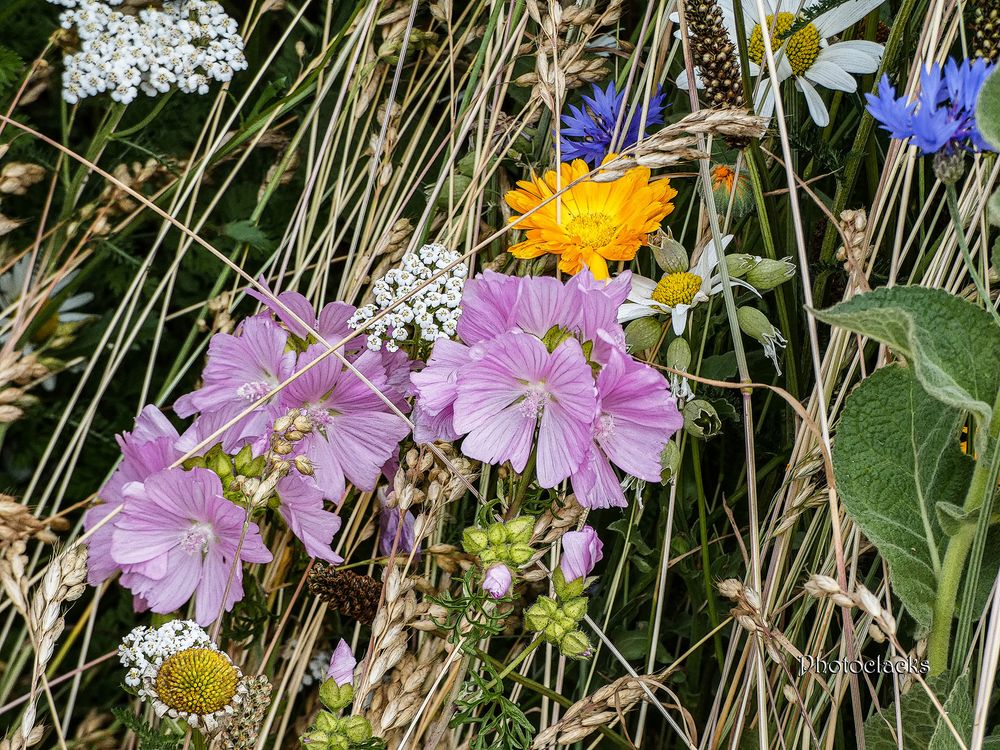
{"x": 144, "y": 649}
{"x": 186, "y": 45}
{"x": 430, "y": 314}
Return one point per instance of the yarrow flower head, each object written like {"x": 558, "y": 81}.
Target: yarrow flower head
{"x": 588, "y": 132}
{"x": 431, "y": 313}
{"x": 591, "y": 222}
{"x": 541, "y": 371}
{"x": 178, "y": 669}
{"x": 942, "y": 119}
{"x": 185, "y": 45}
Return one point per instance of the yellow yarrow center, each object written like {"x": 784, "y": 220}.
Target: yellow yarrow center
{"x": 803, "y": 45}
{"x": 197, "y": 681}
{"x": 593, "y": 230}
{"x": 677, "y": 289}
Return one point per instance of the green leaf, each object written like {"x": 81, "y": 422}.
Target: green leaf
{"x": 149, "y": 738}
{"x": 247, "y": 232}
{"x": 952, "y": 345}
{"x": 11, "y": 68}
{"x": 988, "y": 110}
{"x": 953, "y": 517}
{"x": 895, "y": 457}
{"x": 923, "y": 727}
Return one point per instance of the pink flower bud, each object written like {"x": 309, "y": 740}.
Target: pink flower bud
{"x": 497, "y": 580}
{"x": 581, "y": 550}
{"x": 342, "y": 665}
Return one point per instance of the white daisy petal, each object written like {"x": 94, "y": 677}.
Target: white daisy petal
{"x": 855, "y": 56}
{"x": 632, "y": 310}
{"x": 847, "y": 14}
{"x": 642, "y": 287}
{"x": 817, "y": 109}
{"x": 679, "y": 319}
{"x": 831, "y": 75}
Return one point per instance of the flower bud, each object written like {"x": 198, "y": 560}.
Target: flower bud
{"x": 281, "y": 424}
{"x": 535, "y": 618}
{"x": 294, "y": 435}
{"x": 949, "y": 167}
{"x": 723, "y": 179}
{"x": 679, "y": 354}
{"x": 575, "y": 645}
{"x": 768, "y": 273}
{"x": 497, "y": 580}
{"x": 581, "y": 551}
{"x": 700, "y": 419}
{"x": 739, "y": 264}
{"x": 302, "y": 423}
{"x": 756, "y": 325}
{"x": 342, "y": 664}
{"x": 474, "y": 540}
{"x": 671, "y": 256}
{"x": 304, "y": 466}
{"x": 282, "y": 447}
{"x": 519, "y": 530}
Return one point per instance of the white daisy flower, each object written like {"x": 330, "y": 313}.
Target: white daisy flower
{"x": 808, "y": 55}
{"x": 678, "y": 292}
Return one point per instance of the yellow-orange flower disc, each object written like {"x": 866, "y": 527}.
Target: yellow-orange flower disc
{"x": 592, "y": 222}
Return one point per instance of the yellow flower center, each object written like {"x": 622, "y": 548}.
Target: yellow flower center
{"x": 803, "y": 45}
{"x": 197, "y": 681}
{"x": 593, "y": 230}
{"x": 677, "y": 289}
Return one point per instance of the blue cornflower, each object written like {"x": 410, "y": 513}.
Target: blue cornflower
{"x": 587, "y": 132}
{"x": 942, "y": 120}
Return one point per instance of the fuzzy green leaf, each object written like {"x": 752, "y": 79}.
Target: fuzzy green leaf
{"x": 952, "y": 345}
{"x": 988, "y": 109}
{"x": 896, "y": 457}
{"x": 923, "y": 727}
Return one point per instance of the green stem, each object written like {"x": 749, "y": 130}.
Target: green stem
{"x": 515, "y": 663}
{"x": 956, "y": 220}
{"x": 524, "y": 483}
{"x": 984, "y": 478}
{"x": 706, "y": 562}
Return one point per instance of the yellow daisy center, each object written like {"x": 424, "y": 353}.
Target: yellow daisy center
{"x": 593, "y": 230}
{"x": 197, "y": 681}
{"x": 677, "y": 289}
{"x": 803, "y": 45}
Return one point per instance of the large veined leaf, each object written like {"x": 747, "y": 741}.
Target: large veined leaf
{"x": 952, "y": 345}
{"x": 896, "y": 458}
{"x": 988, "y": 109}
{"x": 923, "y": 727}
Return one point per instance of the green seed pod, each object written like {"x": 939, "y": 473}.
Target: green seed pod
{"x": 739, "y": 264}
{"x": 496, "y": 533}
{"x": 576, "y": 608}
{"x": 519, "y": 554}
{"x": 328, "y": 723}
{"x": 770, "y": 273}
{"x": 670, "y": 461}
{"x": 671, "y": 256}
{"x": 474, "y": 540}
{"x": 575, "y": 645}
{"x": 335, "y": 696}
{"x": 700, "y": 419}
{"x": 520, "y": 529}
{"x": 535, "y": 618}
{"x": 679, "y": 354}
{"x": 642, "y": 334}
{"x": 488, "y": 556}
{"x": 566, "y": 590}
{"x": 357, "y": 729}
{"x": 755, "y": 324}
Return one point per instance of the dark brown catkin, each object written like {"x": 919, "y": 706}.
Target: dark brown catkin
{"x": 346, "y": 592}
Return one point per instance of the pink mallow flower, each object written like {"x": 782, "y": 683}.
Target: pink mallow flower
{"x": 240, "y": 370}
{"x": 518, "y": 386}
{"x": 354, "y": 433}
{"x": 301, "y": 507}
{"x": 178, "y": 537}
{"x": 636, "y": 416}
{"x": 581, "y": 551}
{"x": 331, "y": 323}
{"x": 497, "y": 580}
{"x": 150, "y": 447}
{"x": 342, "y": 664}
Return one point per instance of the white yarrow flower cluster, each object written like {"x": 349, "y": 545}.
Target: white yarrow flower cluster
{"x": 186, "y": 45}
{"x": 143, "y": 650}
{"x": 430, "y": 314}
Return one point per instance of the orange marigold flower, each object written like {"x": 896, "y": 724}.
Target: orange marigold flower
{"x": 592, "y": 222}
